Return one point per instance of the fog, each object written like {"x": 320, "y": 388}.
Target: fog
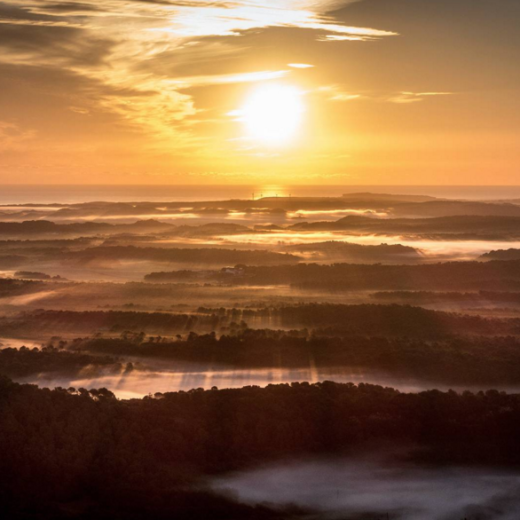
{"x": 433, "y": 250}
{"x": 381, "y": 489}
{"x": 153, "y": 377}
{"x": 29, "y": 298}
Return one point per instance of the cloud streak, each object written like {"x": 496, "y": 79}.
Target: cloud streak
{"x": 335, "y": 93}
{"x": 414, "y": 97}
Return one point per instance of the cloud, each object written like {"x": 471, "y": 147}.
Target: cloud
{"x": 344, "y": 38}
{"x": 68, "y": 7}
{"x": 54, "y": 46}
{"x": 345, "y": 96}
{"x": 79, "y": 110}
{"x": 14, "y": 13}
{"x": 133, "y": 47}
{"x": 336, "y": 93}
{"x": 232, "y": 19}
{"x": 414, "y": 97}
{"x": 223, "y": 79}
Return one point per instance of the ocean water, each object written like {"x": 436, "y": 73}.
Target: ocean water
{"x": 69, "y": 194}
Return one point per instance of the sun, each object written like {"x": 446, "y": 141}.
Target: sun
{"x": 273, "y": 114}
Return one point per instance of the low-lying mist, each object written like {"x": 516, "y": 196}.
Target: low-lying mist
{"x": 186, "y": 376}
{"x": 377, "y": 488}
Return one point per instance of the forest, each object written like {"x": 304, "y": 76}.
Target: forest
{"x": 490, "y": 276}
{"x": 454, "y": 360}
{"x": 149, "y": 457}
{"x": 363, "y": 319}
{"x": 155, "y": 358}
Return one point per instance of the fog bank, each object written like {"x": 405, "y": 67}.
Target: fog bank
{"x": 379, "y": 487}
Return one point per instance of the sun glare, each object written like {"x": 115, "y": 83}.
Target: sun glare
{"x": 273, "y": 114}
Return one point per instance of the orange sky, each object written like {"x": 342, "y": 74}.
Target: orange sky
{"x": 244, "y": 91}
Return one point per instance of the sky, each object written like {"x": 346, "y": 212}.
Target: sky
{"x": 389, "y": 92}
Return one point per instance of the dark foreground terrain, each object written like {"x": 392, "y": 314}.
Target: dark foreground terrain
{"x": 74, "y": 453}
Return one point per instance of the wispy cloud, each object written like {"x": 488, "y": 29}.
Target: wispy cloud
{"x": 336, "y": 93}
{"x": 344, "y": 38}
{"x": 414, "y": 97}
{"x": 224, "y": 79}
{"x": 126, "y": 46}
{"x": 233, "y": 18}
{"x": 42, "y": 23}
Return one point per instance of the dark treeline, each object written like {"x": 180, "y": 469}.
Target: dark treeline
{"x": 46, "y": 227}
{"x": 372, "y": 319}
{"x": 462, "y": 227}
{"x": 23, "y": 362}
{"x": 394, "y": 204}
{"x": 12, "y": 287}
{"x": 473, "y": 361}
{"x": 330, "y": 319}
{"x": 490, "y": 276}
{"x": 357, "y": 252}
{"x": 19, "y": 245}
{"x": 87, "y": 230}
{"x": 44, "y": 249}
{"x": 35, "y": 227}
{"x": 502, "y": 254}
{"x": 443, "y": 208}
{"x": 459, "y": 227}
{"x": 107, "y": 209}
{"x": 192, "y": 256}
{"x": 108, "y": 321}
{"x": 392, "y": 320}
{"x": 36, "y": 275}
{"x": 79, "y": 454}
